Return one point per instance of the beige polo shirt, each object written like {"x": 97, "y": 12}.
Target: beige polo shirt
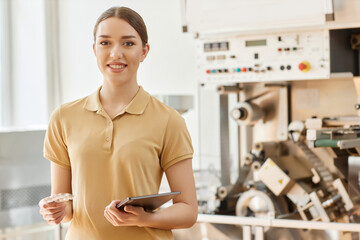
{"x": 114, "y": 159}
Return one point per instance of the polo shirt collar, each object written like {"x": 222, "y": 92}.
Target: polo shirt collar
{"x": 136, "y": 106}
{"x": 139, "y": 102}
{"x": 92, "y": 102}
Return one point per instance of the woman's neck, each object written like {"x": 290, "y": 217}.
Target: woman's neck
{"x": 115, "y": 98}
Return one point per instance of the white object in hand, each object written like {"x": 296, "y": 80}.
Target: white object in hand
{"x": 59, "y": 197}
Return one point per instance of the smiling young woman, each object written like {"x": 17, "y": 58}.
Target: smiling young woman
{"x": 117, "y": 143}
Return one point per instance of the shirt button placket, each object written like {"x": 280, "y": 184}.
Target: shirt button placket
{"x": 109, "y": 133}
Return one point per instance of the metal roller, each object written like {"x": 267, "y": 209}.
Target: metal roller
{"x": 256, "y": 203}
{"x": 246, "y": 113}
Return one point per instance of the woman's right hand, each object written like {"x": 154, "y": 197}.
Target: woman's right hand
{"x": 54, "y": 212}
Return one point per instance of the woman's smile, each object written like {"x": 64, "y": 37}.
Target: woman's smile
{"x": 116, "y": 67}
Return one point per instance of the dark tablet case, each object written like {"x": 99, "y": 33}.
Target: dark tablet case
{"x": 148, "y": 202}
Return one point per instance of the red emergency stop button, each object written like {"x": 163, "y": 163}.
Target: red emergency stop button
{"x": 304, "y": 66}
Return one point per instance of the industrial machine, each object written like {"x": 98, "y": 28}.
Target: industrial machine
{"x": 286, "y": 83}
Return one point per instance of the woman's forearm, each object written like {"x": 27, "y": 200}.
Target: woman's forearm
{"x": 179, "y": 215}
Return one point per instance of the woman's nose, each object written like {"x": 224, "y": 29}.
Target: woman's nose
{"x": 116, "y": 52}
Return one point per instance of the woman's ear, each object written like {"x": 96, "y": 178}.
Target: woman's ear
{"x": 94, "y": 49}
{"x": 146, "y": 50}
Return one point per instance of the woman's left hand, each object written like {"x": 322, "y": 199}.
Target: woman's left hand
{"x": 131, "y": 216}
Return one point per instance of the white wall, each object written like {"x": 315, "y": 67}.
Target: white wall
{"x": 170, "y": 67}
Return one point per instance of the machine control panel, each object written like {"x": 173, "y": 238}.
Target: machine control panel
{"x": 262, "y": 58}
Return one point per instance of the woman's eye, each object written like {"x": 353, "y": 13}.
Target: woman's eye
{"x": 104, "y": 43}
{"x": 128, "y": 43}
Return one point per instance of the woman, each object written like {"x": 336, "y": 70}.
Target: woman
{"x": 117, "y": 143}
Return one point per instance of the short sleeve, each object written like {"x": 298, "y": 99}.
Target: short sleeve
{"x": 55, "y": 148}
{"x": 177, "y": 144}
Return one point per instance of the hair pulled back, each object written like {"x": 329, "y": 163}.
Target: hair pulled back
{"x": 127, "y": 14}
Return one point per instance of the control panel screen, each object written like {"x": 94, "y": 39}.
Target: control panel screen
{"x": 254, "y": 43}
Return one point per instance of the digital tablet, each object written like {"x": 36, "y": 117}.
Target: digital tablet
{"x": 148, "y": 202}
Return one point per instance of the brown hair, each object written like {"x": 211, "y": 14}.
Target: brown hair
{"x": 127, "y": 14}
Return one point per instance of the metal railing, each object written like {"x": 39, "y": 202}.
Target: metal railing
{"x": 260, "y": 223}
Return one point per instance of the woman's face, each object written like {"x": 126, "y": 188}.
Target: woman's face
{"x": 118, "y": 50}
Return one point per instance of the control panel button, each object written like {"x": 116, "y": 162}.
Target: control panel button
{"x": 304, "y": 66}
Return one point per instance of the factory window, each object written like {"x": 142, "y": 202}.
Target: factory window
{"x": 2, "y": 21}
{"x": 5, "y": 61}
{"x": 23, "y": 95}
